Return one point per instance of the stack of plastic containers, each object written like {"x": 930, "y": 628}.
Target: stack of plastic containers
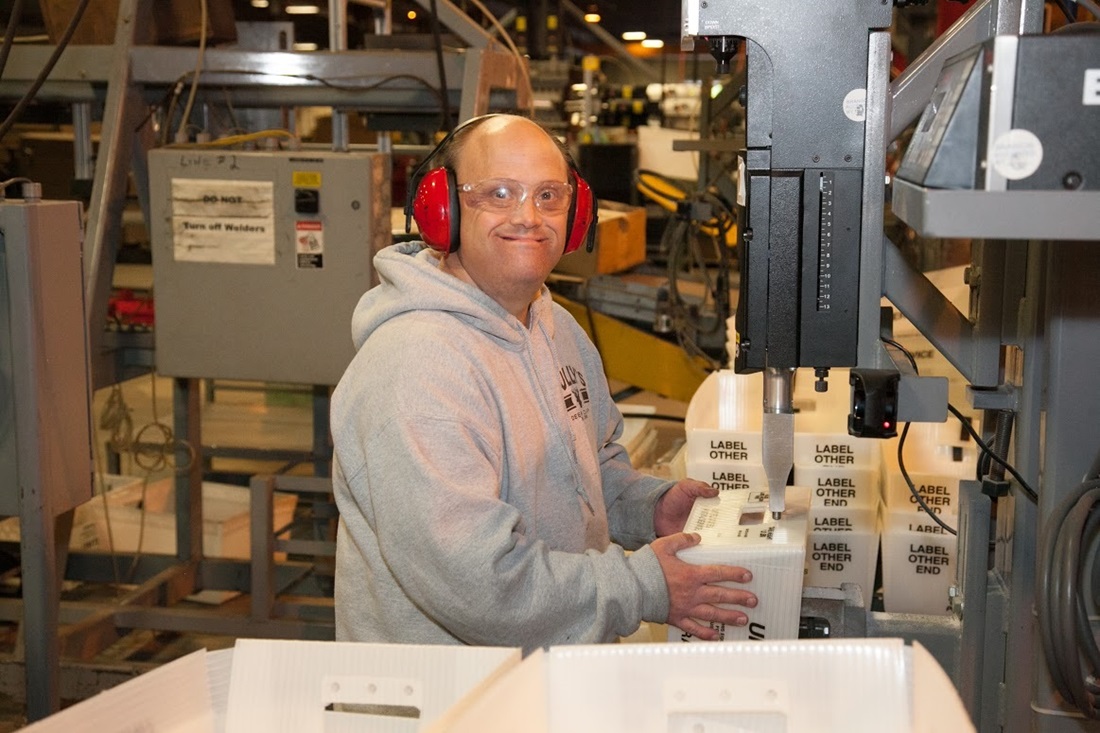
{"x": 844, "y": 476}
{"x": 723, "y": 431}
{"x": 723, "y": 448}
{"x": 918, "y": 553}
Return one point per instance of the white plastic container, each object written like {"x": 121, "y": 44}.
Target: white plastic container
{"x": 918, "y": 567}
{"x": 737, "y": 529}
{"x": 840, "y": 488}
{"x": 842, "y": 548}
{"x": 724, "y": 418}
{"x": 819, "y": 685}
{"x": 821, "y": 440}
{"x": 728, "y": 476}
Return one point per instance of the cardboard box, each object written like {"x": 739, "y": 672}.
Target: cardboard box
{"x": 280, "y": 686}
{"x": 825, "y": 686}
{"x": 737, "y": 528}
{"x": 175, "y": 21}
{"x": 620, "y": 243}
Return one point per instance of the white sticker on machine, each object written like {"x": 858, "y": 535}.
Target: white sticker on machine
{"x": 855, "y": 105}
{"x": 309, "y": 244}
{"x": 223, "y": 221}
{"x": 1016, "y": 154}
{"x": 1091, "y": 95}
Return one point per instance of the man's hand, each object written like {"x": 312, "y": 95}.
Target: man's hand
{"x": 693, "y": 596}
{"x": 673, "y": 508}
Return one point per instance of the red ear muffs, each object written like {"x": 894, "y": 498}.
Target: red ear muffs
{"x": 433, "y": 202}
{"x": 581, "y": 215}
{"x": 436, "y": 209}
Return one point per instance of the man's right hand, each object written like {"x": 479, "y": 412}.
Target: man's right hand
{"x": 693, "y": 593}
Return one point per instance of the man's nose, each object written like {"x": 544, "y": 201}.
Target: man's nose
{"x": 526, "y": 212}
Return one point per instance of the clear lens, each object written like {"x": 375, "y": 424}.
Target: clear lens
{"x": 505, "y": 194}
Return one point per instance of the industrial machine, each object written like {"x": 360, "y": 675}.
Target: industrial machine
{"x": 811, "y": 201}
{"x": 1005, "y": 149}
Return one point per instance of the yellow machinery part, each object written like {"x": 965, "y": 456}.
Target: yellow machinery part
{"x": 638, "y": 358}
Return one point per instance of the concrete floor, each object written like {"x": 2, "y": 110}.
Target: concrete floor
{"x": 241, "y": 415}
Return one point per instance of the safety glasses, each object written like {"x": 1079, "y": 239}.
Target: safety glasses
{"x": 506, "y": 195}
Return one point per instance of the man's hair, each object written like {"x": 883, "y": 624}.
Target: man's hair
{"x": 447, "y": 155}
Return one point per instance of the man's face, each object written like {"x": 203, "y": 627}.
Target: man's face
{"x": 508, "y": 253}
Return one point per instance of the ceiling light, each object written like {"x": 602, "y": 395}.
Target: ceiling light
{"x": 634, "y": 36}
{"x": 302, "y": 9}
{"x": 591, "y": 17}
{"x": 260, "y": 3}
{"x": 653, "y": 43}
{"x": 305, "y": 46}
{"x": 411, "y": 15}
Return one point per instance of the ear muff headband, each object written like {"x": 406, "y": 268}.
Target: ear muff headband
{"x": 433, "y": 201}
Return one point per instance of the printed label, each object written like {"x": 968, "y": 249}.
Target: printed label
{"x": 728, "y": 450}
{"x": 937, "y": 496}
{"x": 855, "y": 105}
{"x": 926, "y": 528}
{"x": 834, "y": 454}
{"x": 223, "y": 221}
{"x": 831, "y": 556}
{"x": 1017, "y": 154}
{"x": 833, "y": 524}
{"x": 835, "y": 491}
{"x": 309, "y": 244}
{"x": 729, "y": 481}
{"x": 1091, "y": 96}
{"x": 928, "y": 559}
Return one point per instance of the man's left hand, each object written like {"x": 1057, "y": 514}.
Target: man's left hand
{"x": 673, "y": 508}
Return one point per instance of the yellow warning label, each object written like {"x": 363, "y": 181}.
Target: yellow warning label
{"x": 307, "y": 179}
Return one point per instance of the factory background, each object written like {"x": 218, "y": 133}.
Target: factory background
{"x": 843, "y": 255}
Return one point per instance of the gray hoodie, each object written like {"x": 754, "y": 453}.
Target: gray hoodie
{"x": 477, "y": 474}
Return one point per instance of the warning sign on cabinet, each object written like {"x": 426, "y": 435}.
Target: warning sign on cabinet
{"x": 223, "y": 221}
{"x": 309, "y": 243}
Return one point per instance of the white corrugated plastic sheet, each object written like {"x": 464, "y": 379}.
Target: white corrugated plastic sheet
{"x": 810, "y": 686}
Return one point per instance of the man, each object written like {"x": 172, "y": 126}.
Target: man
{"x": 476, "y": 468}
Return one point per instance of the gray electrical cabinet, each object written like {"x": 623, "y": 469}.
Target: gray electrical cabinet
{"x": 259, "y": 259}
